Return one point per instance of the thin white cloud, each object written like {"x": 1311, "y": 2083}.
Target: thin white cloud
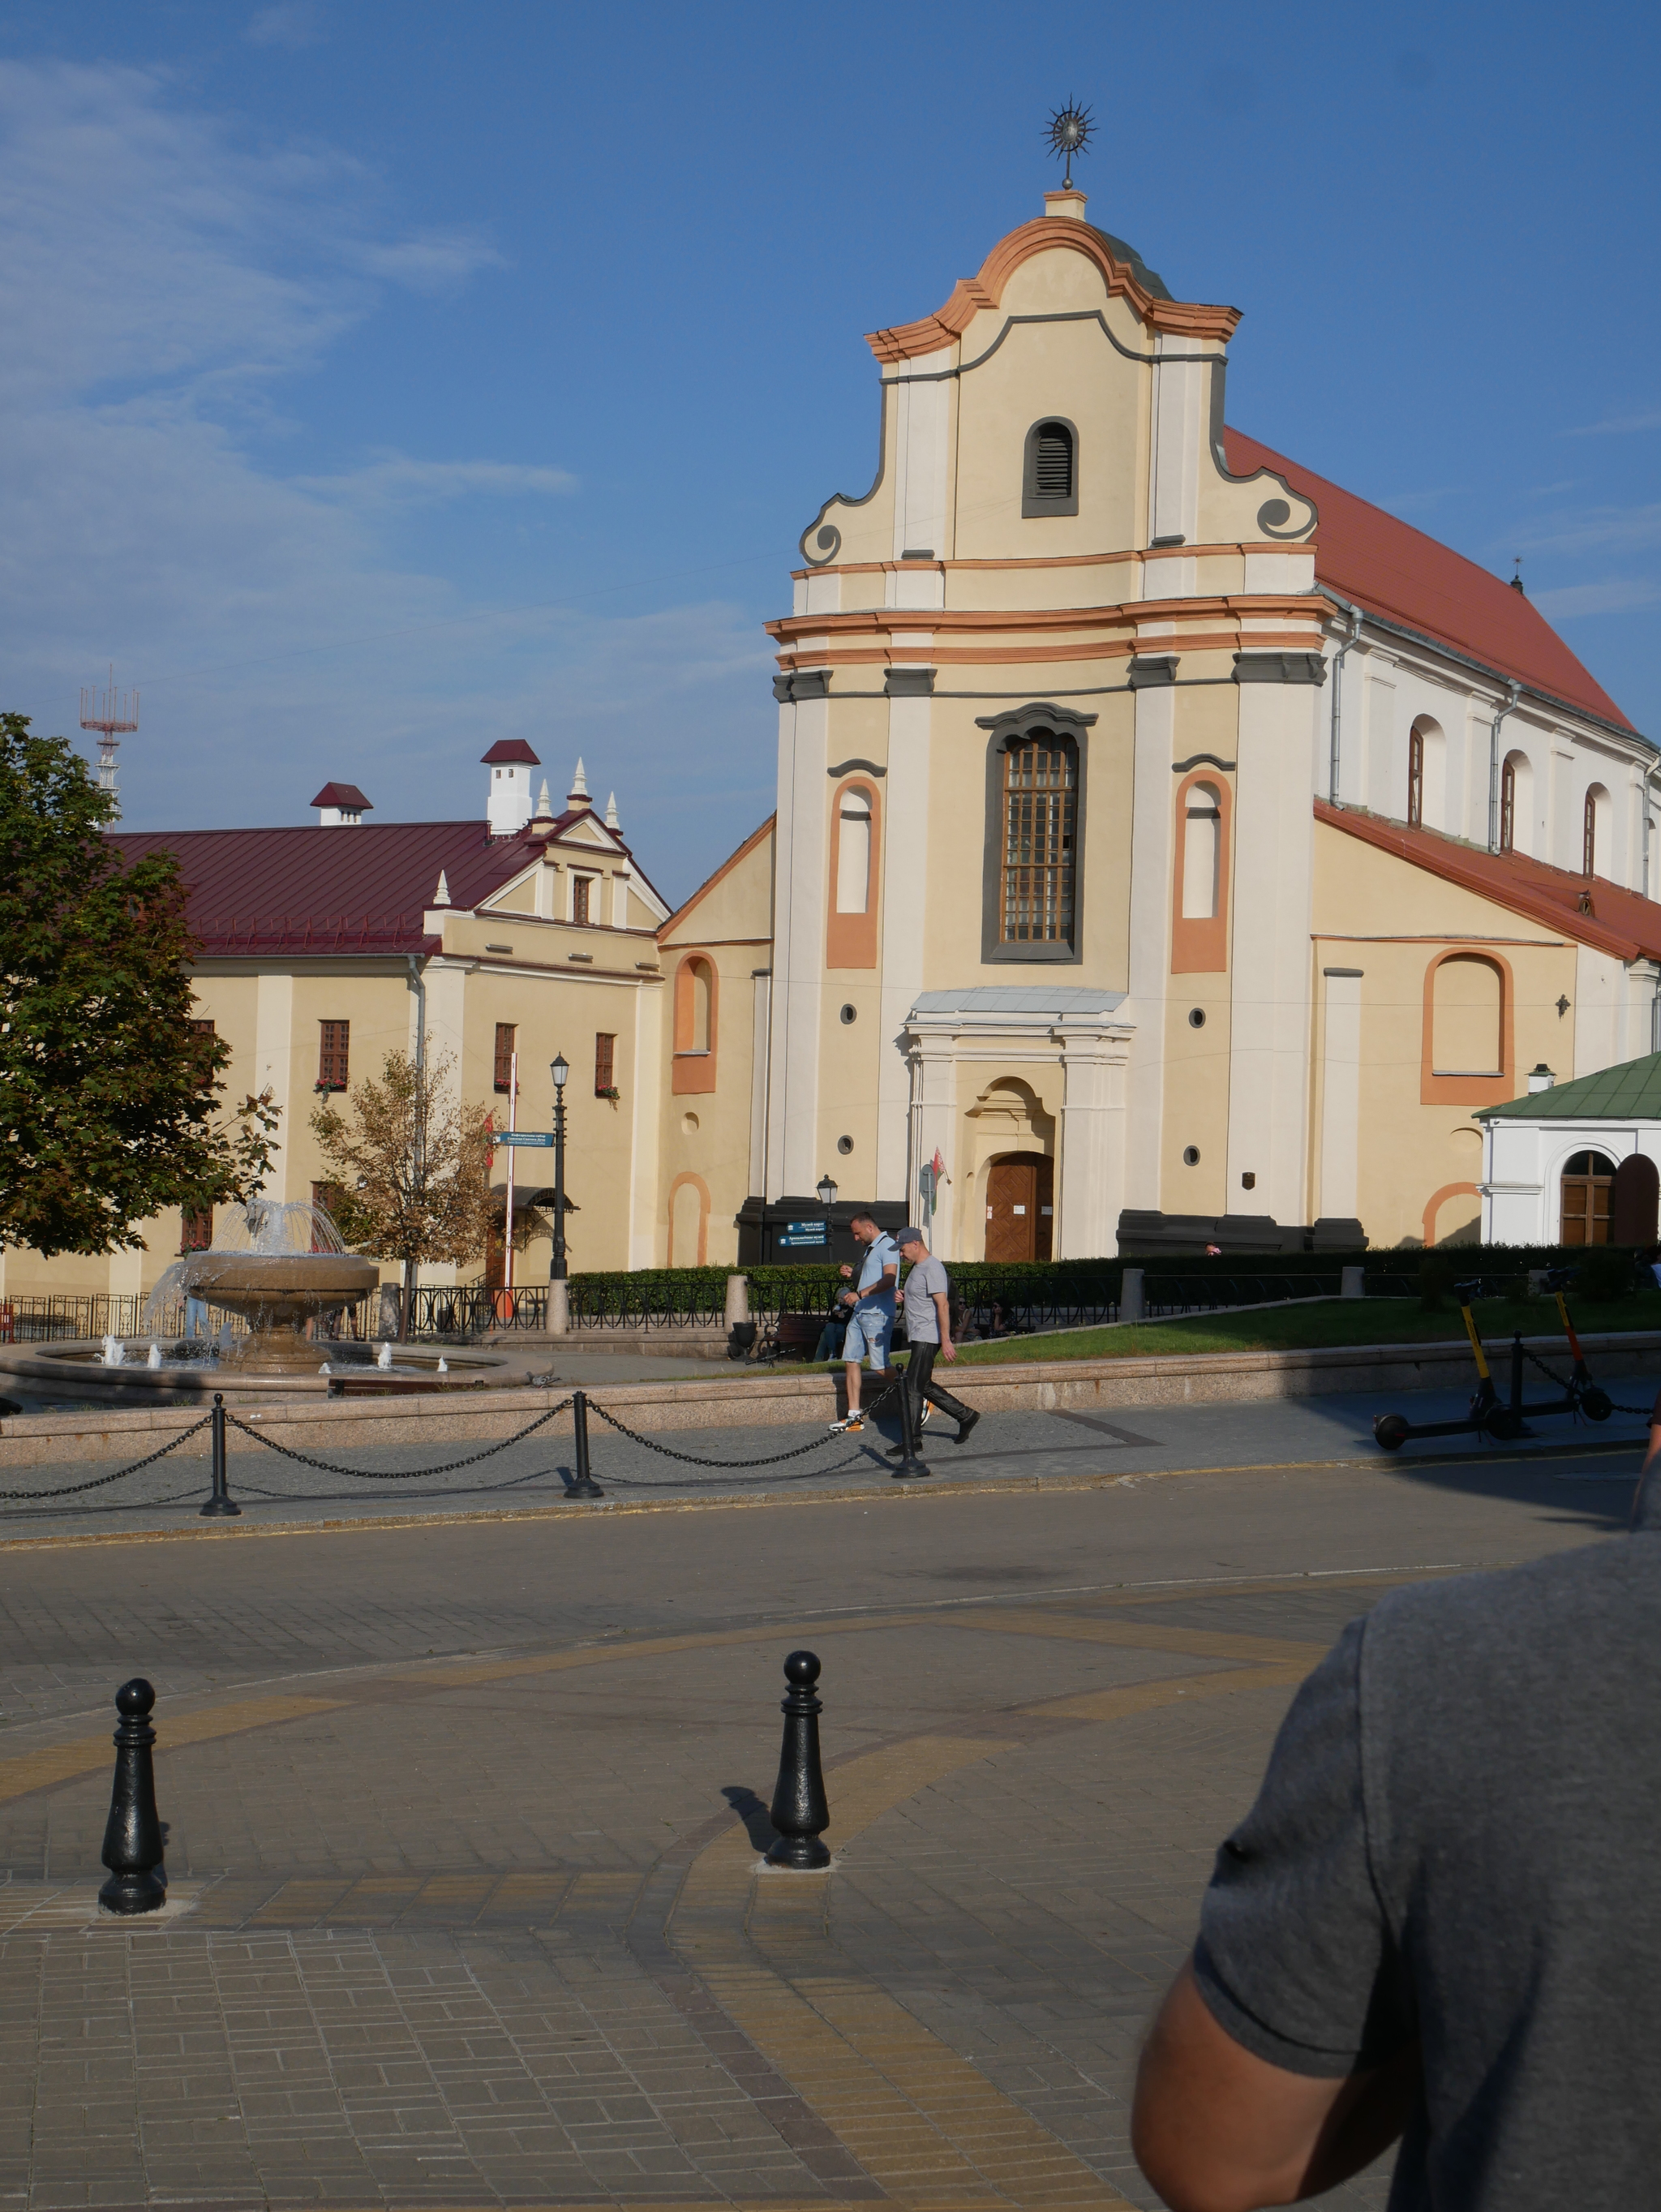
{"x": 291, "y": 23}
{"x": 1597, "y": 530}
{"x": 1617, "y": 427}
{"x": 168, "y": 281}
{"x": 1614, "y": 595}
{"x": 398, "y": 480}
{"x": 1410, "y": 502}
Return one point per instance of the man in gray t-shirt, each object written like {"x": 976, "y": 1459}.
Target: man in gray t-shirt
{"x": 1441, "y": 1918}
{"x": 929, "y": 1332}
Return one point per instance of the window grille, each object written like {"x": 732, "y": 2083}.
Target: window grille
{"x": 198, "y": 1228}
{"x": 605, "y": 1064}
{"x": 1508, "y": 807}
{"x": 1053, "y": 462}
{"x": 506, "y": 1033}
{"x": 334, "y": 1055}
{"x": 1589, "y": 836}
{"x": 579, "y": 898}
{"x": 1041, "y": 798}
{"x": 1415, "y": 779}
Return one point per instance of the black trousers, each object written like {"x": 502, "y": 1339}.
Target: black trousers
{"x": 920, "y": 1383}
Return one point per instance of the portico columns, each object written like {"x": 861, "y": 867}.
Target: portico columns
{"x": 1090, "y": 1172}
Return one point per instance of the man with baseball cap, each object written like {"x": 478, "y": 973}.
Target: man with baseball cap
{"x": 929, "y": 1328}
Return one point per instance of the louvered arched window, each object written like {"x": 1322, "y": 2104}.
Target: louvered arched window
{"x": 1050, "y": 485}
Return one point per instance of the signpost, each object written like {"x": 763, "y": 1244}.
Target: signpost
{"x": 805, "y": 1232}
{"x": 512, "y": 1137}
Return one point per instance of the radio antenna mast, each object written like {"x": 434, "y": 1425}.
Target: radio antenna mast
{"x": 114, "y": 714}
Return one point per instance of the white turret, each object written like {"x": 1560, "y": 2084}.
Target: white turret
{"x": 510, "y": 761}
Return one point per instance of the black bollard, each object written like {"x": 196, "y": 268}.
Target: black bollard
{"x": 219, "y": 1506}
{"x": 584, "y": 1485}
{"x": 909, "y": 1466}
{"x": 132, "y": 1836}
{"x": 800, "y": 1812}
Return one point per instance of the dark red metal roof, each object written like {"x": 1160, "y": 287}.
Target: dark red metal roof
{"x": 343, "y": 795}
{"x": 1587, "y": 908}
{"x": 1396, "y": 572}
{"x": 510, "y": 749}
{"x": 360, "y": 889}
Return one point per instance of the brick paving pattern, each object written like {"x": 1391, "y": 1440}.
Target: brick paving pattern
{"x": 463, "y": 1827}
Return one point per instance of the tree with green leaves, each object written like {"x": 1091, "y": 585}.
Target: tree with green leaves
{"x": 111, "y": 1108}
{"x": 411, "y": 1168}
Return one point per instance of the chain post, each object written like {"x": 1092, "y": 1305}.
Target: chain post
{"x": 800, "y": 1810}
{"x": 219, "y": 1506}
{"x": 584, "y": 1485}
{"x": 909, "y": 1466}
{"x": 132, "y": 1835}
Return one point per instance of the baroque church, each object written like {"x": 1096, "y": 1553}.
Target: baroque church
{"x": 1171, "y": 847}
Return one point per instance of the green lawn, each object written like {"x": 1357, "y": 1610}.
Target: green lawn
{"x": 1333, "y": 1320}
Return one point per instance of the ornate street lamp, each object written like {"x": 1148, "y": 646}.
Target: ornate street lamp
{"x": 560, "y": 1069}
{"x": 827, "y": 1193}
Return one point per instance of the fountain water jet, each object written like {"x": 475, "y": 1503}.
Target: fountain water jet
{"x": 276, "y": 1266}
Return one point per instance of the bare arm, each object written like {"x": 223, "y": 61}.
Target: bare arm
{"x": 943, "y": 1314}
{"x": 1216, "y": 2130}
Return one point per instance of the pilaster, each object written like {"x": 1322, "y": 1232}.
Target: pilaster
{"x": 905, "y": 891}
{"x": 1090, "y": 1170}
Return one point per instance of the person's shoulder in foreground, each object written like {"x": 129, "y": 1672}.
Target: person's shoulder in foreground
{"x": 1440, "y": 1919}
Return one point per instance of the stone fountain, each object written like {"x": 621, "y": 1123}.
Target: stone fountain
{"x": 275, "y": 1268}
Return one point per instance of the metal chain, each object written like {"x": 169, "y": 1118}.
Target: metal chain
{"x": 407, "y": 1475}
{"x": 98, "y": 1481}
{"x": 1642, "y": 1412}
{"x": 771, "y": 1459}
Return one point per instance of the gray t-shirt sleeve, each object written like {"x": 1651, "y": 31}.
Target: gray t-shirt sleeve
{"x": 1295, "y": 1957}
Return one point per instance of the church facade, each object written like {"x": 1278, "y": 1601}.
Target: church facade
{"x": 1170, "y": 847}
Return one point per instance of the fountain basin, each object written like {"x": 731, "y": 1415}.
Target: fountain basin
{"x": 189, "y": 1373}
{"x": 276, "y": 1294}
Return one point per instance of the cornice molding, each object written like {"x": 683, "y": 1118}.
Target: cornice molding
{"x": 972, "y": 295}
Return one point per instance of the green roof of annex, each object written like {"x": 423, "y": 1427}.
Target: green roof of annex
{"x": 1630, "y": 1091}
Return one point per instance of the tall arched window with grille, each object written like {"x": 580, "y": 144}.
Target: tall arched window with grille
{"x": 1508, "y": 807}
{"x": 1040, "y": 830}
{"x": 1595, "y": 832}
{"x": 1415, "y": 778}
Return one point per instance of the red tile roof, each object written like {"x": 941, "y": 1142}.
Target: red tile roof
{"x": 1621, "y": 922}
{"x": 360, "y": 889}
{"x": 509, "y": 749}
{"x": 1398, "y": 574}
{"x": 343, "y": 795}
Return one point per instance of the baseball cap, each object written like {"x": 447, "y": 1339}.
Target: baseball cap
{"x": 909, "y": 1235}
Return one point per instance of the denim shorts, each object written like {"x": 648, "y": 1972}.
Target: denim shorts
{"x": 868, "y": 1331}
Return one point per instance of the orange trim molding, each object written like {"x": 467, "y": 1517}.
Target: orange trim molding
{"x": 702, "y": 1188}
{"x": 1469, "y": 1089}
{"x": 1437, "y": 1199}
{"x": 850, "y": 939}
{"x": 970, "y": 295}
{"x": 1199, "y": 944}
{"x": 693, "y": 1068}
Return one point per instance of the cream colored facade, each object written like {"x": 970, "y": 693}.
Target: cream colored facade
{"x": 1254, "y": 1017}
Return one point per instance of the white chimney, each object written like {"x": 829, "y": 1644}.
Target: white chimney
{"x": 341, "y": 805}
{"x": 1541, "y": 1078}
{"x": 509, "y": 803}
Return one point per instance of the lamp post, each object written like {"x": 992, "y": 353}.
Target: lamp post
{"x": 559, "y": 1069}
{"x": 826, "y": 1199}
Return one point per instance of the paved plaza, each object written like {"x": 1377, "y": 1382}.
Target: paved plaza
{"x": 464, "y": 1819}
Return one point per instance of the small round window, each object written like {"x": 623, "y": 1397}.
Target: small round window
{"x": 1196, "y": 1017}
{"x": 849, "y": 1013}
{"x": 1191, "y": 1156}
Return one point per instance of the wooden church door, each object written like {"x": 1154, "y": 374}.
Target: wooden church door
{"x": 1587, "y": 1180}
{"x": 1021, "y": 1206}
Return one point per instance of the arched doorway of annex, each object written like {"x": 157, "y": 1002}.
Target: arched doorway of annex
{"x": 688, "y": 1222}
{"x": 1014, "y": 1142}
{"x": 1585, "y": 1193}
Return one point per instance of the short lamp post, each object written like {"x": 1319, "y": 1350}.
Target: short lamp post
{"x": 826, "y": 1199}
{"x": 560, "y": 1069}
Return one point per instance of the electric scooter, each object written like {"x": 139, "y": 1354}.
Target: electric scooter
{"x": 1506, "y": 1420}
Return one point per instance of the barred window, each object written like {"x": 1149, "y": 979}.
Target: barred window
{"x": 333, "y": 1055}
{"x": 605, "y": 1063}
{"x": 198, "y": 1231}
{"x": 1040, "y": 805}
{"x": 506, "y": 1033}
{"x": 579, "y": 898}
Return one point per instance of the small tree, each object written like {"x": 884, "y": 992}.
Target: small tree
{"x": 110, "y": 1107}
{"x": 413, "y": 1168}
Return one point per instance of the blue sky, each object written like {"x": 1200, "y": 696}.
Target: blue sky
{"x": 383, "y": 380}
